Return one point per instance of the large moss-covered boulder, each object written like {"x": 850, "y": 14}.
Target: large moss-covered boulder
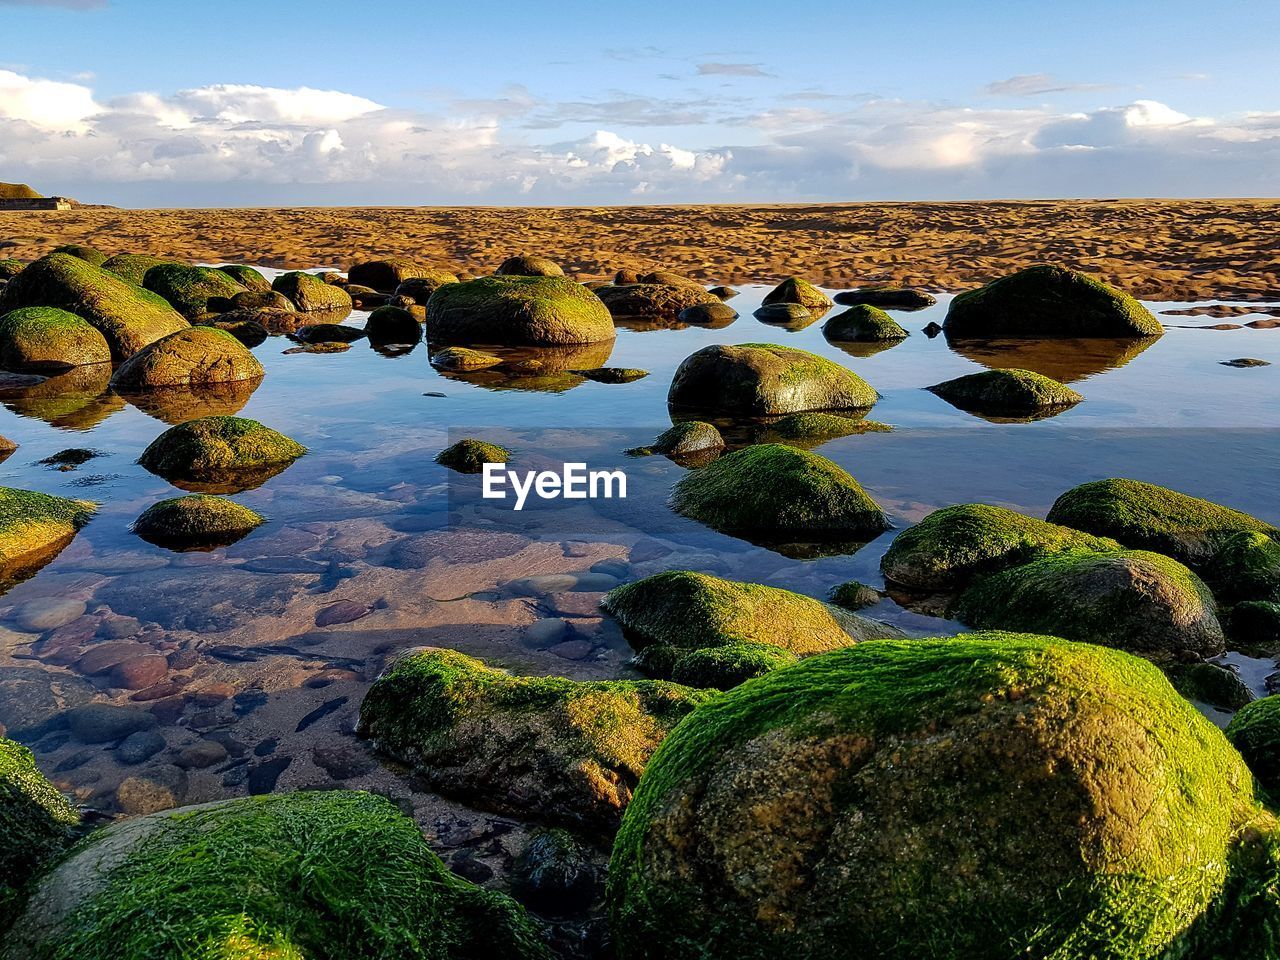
{"x": 951, "y": 547}
{"x": 1133, "y": 600}
{"x": 194, "y": 357}
{"x": 35, "y": 526}
{"x": 35, "y": 823}
{"x": 1048, "y": 301}
{"x": 134, "y": 266}
{"x": 310, "y": 294}
{"x": 517, "y": 310}
{"x": 301, "y": 875}
{"x": 863, "y": 324}
{"x": 981, "y": 797}
{"x": 1245, "y": 566}
{"x": 82, "y": 251}
{"x": 798, "y": 290}
{"x": 1008, "y": 393}
{"x": 211, "y": 453}
{"x": 247, "y": 277}
{"x": 777, "y": 492}
{"x": 656, "y": 300}
{"x": 196, "y": 521}
{"x": 10, "y": 268}
{"x": 1150, "y": 517}
{"x": 764, "y": 379}
{"x": 529, "y": 266}
{"x": 389, "y": 324}
{"x": 723, "y": 668}
{"x": 128, "y": 316}
{"x": 189, "y": 289}
{"x": 49, "y": 339}
{"x": 420, "y": 288}
{"x": 560, "y": 750}
{"x": 1255, "y": 732}
{"x": 386, "y": 275}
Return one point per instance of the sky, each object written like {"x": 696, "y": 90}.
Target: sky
{"x": 154, "y": 103}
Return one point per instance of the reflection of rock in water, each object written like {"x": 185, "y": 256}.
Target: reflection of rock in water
{"x": 226, "y": 482}
{"x": 794, "y": 323}
{"x": 1065, "y": 359}
{"x": 1043, "y": 413}
{"x": 863, "y": 349}
{"x": 79, "y": 399}
{"x": 648, "y": 324}
{"x": 541, "y": 369}
{"x": 174, "y": 405}
{"x": 29, "y": 564}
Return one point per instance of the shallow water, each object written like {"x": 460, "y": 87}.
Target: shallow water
{"x": 371, "y": 547}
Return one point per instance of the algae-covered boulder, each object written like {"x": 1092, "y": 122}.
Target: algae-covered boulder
{"x": 133, "y": 266}
{"x": 128, "y": 316}
{"x": 194, "y": 357}
{"x": 247, "y": 277}
{"x": 1048, "y": 301}
{"x": 659, "y": 300}
{"x": 722, "y": 668}
{"x": 310, "y": 294}
{"x": 529, "y": 266}
{"x": 1245, "y": 566}
{"x": 34, "y": 527}
{"x": 798, "y": 290}
{"x": 189, "y": 289}
{"x": 560, "y": 750}
{"x": 313, "y": 874}
{"x": 951, "y": 547}
{"x": 90, "y": 255}
{"x": 776, "y": 492}
{"x": 886, "y": 298}
{"x": 984, "y": 796}
{"x": 217, "y": 452}
{"x": 670, "y": 614}
{"x": 10, "y": 268}
{"x": 261, "y": 300}
{"x": 789, "y": 316}
{"x": 469, "y": 455}
{"x": 1133, "y": 600}
{"x": 863, "y": 324}
{"x": 1255, "y": 732}
{"x": 35, "y": 823}
{"x": 518, "y": 311}
{"x": 1210, "y": 683}
{"x": 392, "y": 325}
{"x": 764, "y": 379}
{"x": 463, "y": 359}
{"x": 1009, "y": 393}
{"x": 555, "y": 875}
{"x": 196, "y": 521}
{"x": 854, "y": 595}
{"x": 1255, "y": 624}
{"x": 386, "y": 275}
{"x": 1150, "y": 517}
{"x": 685, "y": 439}
{"x": 49, "y": 339}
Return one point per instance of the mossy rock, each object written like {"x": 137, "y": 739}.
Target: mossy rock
{"x": 261, "y": 300}
{"x": 196, "y": 521}
{"x": 1244, "y": 566}
{"x": 90, "y": 255}
{"x": 764, "y": 379}
{"x": 1133, "y": 600}
{"x": 78, "y": 399}
{"x": 247, "y": 277}
{"x": 470, "y": 455}
{"x": 563, "y": 751}
{"x": 36, "y": 824}
{"x": 49, "y": 339}
{"x": 669, "y": 278}
{"x": 34, "y": 527}
{"x": 982, "y": 796}
{"x": 249, "y": 332}
{"x": 722, "y": 668}
{"x": 953, "y": 546}
{"x": 789, "y": 316}
{"x": 195, "y": 357}
{"x": 775, "y": 492}
{"x": 853, "y": 595}
{"x": 886, "y": 298}
{"x": 134, "y": 266}
{"x": 310, "y": 874}
{"x": 128, "y": 316}
{"x": 712, "y": 315}
{"x": 463, "y": 359}
{"x": 1149, "y": 517}
{"x": 10, "y": 268}
{"x": 682, "y": 610}
{"x": 529, "y": 266}
{"x": 1210, "y": 683}
{"x": 392, "y": 325}
{"x": 863, "y": 324}
{"x": 684, "y": 439}
{"x": 1048, "y": 301}
{"x": 659, "y": 300}
{"x": 310, "y": 294}
{"x": 1255, "y": 732}
{"x": 420, "y": 288}
{"x": 385, "y": 275}
{"x": 1006, "y": 393}
{"x": 798, "y": 290}
{"x": 1255, "y": 624}
{"x": 189, "y": 289}
{"x": 518, "y": 311}
{"x": 555, "y": 875}
{"x": 211, "y": 453}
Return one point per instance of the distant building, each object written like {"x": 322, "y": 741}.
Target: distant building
{"x": 35, "y": 203}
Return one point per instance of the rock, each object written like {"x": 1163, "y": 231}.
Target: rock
{"x": 1244, "y": 566}
{"x": 687, "y": 438}
{"x": 327, "y": 333}
{"x": 885, "y": 297}
{"x": 563, "y": 751}
{"x": 661, "y": 300}
{"x": 1256, "y": 624}
{"x": 463, "y": 359}
{"x": 83, "y": 252}
{"x": 133, "y": 267}
{"x": 668, "y": 278}
{"x": 794, "y": 316}
{"x": 419, "y": 289}
{"x": 201, "y": 754}
{"x": 722, "y": 668}
{"x": 1255, "y": 732}
{"x": 470, "y": 455}
{"x": 47, "y": 613}
{"x": 966, "y": 796}
{"x": 1048, "y": 301}
{"x": 796, "y": 290}
{"x": 137, "y": 673}
{"x": 195, "y": 357}
{"x": 344, "y": 611}
{"x": 7, "y": 447}
{"x": 34, "y": 701}
{"x": 1210, "y": 683}
{"x": 392, "y": 325}
{"x": 724, "y": 293}
{"x": 104, "y": 723}
{"x": 129, "y": 317}
{"x": 10, "y": 268}
{"x": 261, "y": 300}
{"x": 1006, "y": 392}
{"x": 1148, "y": 517}
{"x": 247, "y": 277}
{"x": 955, "y": 545}
{"x": 274, "y": 321}
{"x": 527, "y": 266}
{"x": 852, "y": 595}
{"x": 544, "y": 633}
{"x": 386, "y": 275}
{"x": 756, "y": 379}
{"x": 139, "y": 747}
{"x": 863, "y": 324}
{"x": 713, "y": 315}
{"x": 34, "y": 527}
{"x": 36, "y": 823}
{"x": 189, "y": 289}
{"x": 612, "y": 374}
{"x": 554, "y": 875}
{"x": 49, "y": 339}
{"x": 517, "y": 310}
{"x": 220, "y": 451}
{"x": 1132, "y": 600}
{"x": 779, "y": 493}
{"x": 312, "y": 295}
{"x": 249, "y": 332}
{"x": 1246, "y": 362}
{"x": 670, "y": 614}
{"x": 101, "y": 658}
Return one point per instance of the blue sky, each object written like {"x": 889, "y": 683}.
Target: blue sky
{"x": 141, "y": 102}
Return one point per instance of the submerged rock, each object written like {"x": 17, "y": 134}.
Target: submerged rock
{"x": 564, "y": 751}
{"x": 35, "y": 824}
{"x": 469, "y": 455}
{"x": 798, "y": 290}
{"x": 886, "y": 297}
{"x": 49, "y": 339}
{"x": 529, "y": 266}
{"x": 1048, "y": 301}
{"x": 34, "y": 527}
{"x": 310, "y": 294}
{"x": 517, "y": 310}
{"x": 196, "y": 521}
{"x": 392, "y": 325}
{"x": 1006, "y": 392}
{"x": 853, "y": 595}
{"x": 763, "y": 379}
{"x": 968, "y": 796}
{"x": 793, "y": 316}
{"x": 189, "y": 289}
{"x": 189, "y": 358}
{"x": 612, "y": 374}
{"x": 863, "y": 324}
{"x": 668, "y": 300}
{"x": 220, "y": 451}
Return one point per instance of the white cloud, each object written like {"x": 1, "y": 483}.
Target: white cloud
{"x": 45, "y": 103}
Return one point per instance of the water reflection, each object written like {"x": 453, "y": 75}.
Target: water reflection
{"x": 79, "y": 399}
{"x": 537, "y": 369}
{"x": 174, "y": 405}
{"x": 1066, "y": 359}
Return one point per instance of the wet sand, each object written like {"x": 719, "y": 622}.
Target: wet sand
{"x": 1155, "y": 249}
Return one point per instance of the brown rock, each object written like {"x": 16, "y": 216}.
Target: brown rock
{"x": 203, "y": 754}
{"x": 344, "y": 611}
{"x": 104, "y": 657}
{"x": 138, "y": 672}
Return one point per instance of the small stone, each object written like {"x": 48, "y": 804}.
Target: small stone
{"x": 119, "y": 628}
{"x": 103, "y": 657}
{"x": 159, "y": 790}
{"x": 1246, "y": 362}
{"x": 139, "y": 747}
{"x": 204, "y": 753}
{"x": 544, "y": 633}
{"x": 138, "y": 672}
{"x": 47, "y": 613}
{"x": 465, "y": 865}
{"x": 572, "y": 650}
{"x": 344, "y": 611}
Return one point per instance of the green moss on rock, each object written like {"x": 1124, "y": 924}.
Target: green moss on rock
{"x": 982, "y": 796}
{"x": 798, "y": 290}
{"x": 189, "y": 289}
{"x": 35, "y": 824}
{"x": 1006, "y": 392}
{"x": 469, "y": 455}
{"x": 863, "y": 324}
{"x": 518, "y": 311}
{"x": 722, "y": 668}
{"x": 80, "y": 251}
{"x": 463, "y": 359}
{"x": 529, "y": 266}
{"x": 196, "y": 520}
{"x": 853, "y": 595}
{"x": 386, "y": 275}
{"x": 197, "y": 356}
{"x": 1255, "y": 732}
{"x": 813, "y": 428}
{"x": 133, "y": 267}
{"x": 33, "y": 525}
{"x": 310, "y": 294}
{"x": 655, "y": 300}
{"x": 392, "y": 325}
{"x": 49, "y": 339}
{"x": 1210, "y": 683}
{"x": 219, "y": 450}
{"x": 685, "y": 439}
{"x": 247, "y": 277}
{"x": 10, "y": 268}
{"x": 1244, "y": 566}
{"x": 564, "y": 751}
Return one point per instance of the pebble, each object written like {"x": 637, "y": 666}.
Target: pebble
{"x": 139, "y": 672}
{"x": 46, "y": 613}
{"x": 344, "y": 611}
{"x": 160, "y": 789}
{"x": 139, "y": 747}
{"x": 544, "y": 633}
